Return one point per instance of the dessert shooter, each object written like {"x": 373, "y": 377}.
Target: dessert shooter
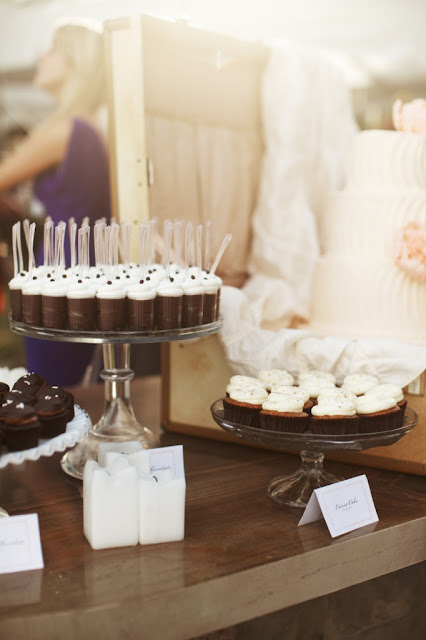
{"x": 31, "y": 302}
{"x": 193, "y": 290}
{"x": 212, "y": 286}
{"x": 141, "y": 306}
{"x": 54, "y": 304}
{"x": 168, "y": 305}
{"x": 111, "y": 307}
{"x": 81, "y": 306}
{"x": 20, "y": 275}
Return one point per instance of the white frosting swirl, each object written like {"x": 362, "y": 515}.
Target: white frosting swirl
{"x": 283, "y": 403}
{"x": 273, "y": 377}
{"x": 387, "y": 389}
{"x": 111, "y": 290}
{"x": 315, "y": 386}
{"x": 192, "y": 286}
{"x": 313, "y": 376}
{"x": 141, "y": 291}
{"x": 334, "y": 407}
{"x": 335, "y": 392}
{"x": 211, "y": 283}
{"x": 359, "y": 383}
{"x": 19, "y": 280}
{"x": 81, "y": 289}
{"x": 253, "y": 394}
{"x": 292, "y": 392}
{"x": 371, "y": 403}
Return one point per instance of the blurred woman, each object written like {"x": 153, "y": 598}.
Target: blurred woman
{"x": 66, "y": 157}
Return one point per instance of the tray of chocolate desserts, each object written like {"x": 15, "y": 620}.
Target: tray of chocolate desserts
{"x": 271, "y": 409}
{"x": 149, "y": 299}
{"x": 37, "y": 419}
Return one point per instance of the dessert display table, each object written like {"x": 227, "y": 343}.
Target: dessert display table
{"x": 243, "y": 555}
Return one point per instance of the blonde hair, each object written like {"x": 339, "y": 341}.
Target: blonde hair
{"x": 83, "y": 91}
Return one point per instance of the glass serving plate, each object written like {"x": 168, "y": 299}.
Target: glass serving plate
{"x": 118, "y": 422}
{"x": 295, "y": 490}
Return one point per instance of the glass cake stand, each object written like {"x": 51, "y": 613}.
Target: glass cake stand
{"x": 118, "y": 422}
{"x": 295, "y": 490}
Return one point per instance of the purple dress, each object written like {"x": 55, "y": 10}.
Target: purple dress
{"x": 79, "y": 187}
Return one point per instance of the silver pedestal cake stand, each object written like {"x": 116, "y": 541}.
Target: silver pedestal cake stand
{"x": 118, "y": 422}
{"x": 295, "y": 490}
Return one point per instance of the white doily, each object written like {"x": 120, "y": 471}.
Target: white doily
{"x": 79, "y": 426}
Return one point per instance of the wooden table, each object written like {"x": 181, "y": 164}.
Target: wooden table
{"x": 243, "y": 555}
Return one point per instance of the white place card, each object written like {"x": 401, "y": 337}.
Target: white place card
{"x": 345, "y": 506}
{"x": 20, "y": 546}
{"x": 167, "y": 459}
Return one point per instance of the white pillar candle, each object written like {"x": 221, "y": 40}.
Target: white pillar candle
{"x": 110, "y": 504}
{"x": 119, "y": 447}
{"x": 161, "y": 508}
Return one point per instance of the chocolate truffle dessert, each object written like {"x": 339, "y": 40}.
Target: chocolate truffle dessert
{"x": 168, "y": 305}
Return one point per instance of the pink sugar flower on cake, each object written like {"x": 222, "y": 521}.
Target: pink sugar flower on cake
{"x": 410, "y": 116}
{"x": 410, "y": 250}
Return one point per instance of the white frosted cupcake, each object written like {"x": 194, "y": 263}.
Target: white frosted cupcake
{"x": 273, "y": 377}
{"x": 316, "y": 376}
{"x": 377, "y": 413}
{"x": 396, "y": 392}
{"x": 360, "y": 383}
{"x": 284, "y": 412}
{"x": 294, "y": 392}
{"x": 243, "y": 381}
{"x": 244, "y": 404}
{"x": 334, "y": 416}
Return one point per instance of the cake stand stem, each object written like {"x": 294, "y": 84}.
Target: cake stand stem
{"x": 118, "y": 422}
{"x": 295, "y": 490}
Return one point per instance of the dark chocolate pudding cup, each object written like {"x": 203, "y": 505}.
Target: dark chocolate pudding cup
{"x": 31, "y": 309}
{"x": 54, "y": 311}
{"x": 141, "y": 314}
{"x": 192, "y": 309}
{"x": 16, "y": 304}
{"x": 168, "y": 312}
{"x": 82, "y": 314}
{"x": 111, "y": 314}
{"x": 218, "y": 304}
{"x": 209, "y": 307}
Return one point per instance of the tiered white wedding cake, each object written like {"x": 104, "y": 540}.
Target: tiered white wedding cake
{"x": 370, "y": 280}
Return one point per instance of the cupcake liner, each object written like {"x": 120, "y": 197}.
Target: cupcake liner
{"x": 380, "y": 421}
{"x": 284, "y": 422}
{"x": 334, "y": 425}
{"x": 241, "y": 413}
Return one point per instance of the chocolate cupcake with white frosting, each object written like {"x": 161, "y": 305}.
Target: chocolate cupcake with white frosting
{"x": 334, "y": 416}
{"x": 396, "y": 392}
{"x": 294, "y": 392}
{"x": 243, "y": 381}
{"x": 244, "y": 404}
{"x": 377, "y": 413}
{"x": 284, "y": 412}
{"x": 316, "y": 381}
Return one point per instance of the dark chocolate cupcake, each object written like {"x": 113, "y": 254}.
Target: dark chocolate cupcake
{"x": 30, "y": 384}
{"x": 51, "y": 412}
{"x": 21, "y": 427}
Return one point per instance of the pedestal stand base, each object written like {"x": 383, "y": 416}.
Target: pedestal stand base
{"x": 295, "y": 490}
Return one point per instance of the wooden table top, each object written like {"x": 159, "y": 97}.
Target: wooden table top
{"x": 243, "y": 555}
